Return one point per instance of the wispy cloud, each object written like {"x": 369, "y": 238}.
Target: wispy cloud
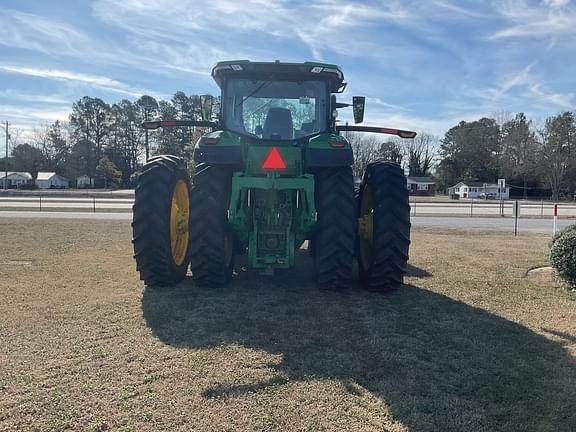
{"x": 460, "y": 10}
{"x": 34, "y": 112}
{"x": 550, "y": 18}
{"x": 520, "y": 88}
{"x": 102, "y": 82}
{"x": 382, "y": 103}
{"x": 17, "y": 95}
{"x": 437, "y": 125}
{"x": 37, "y": 33}
{"x": 63, "y": 75}
{"x": 56, "y": 40}
{"x": 522, "y": 78}
{"x": 323, "y": 25}
{"x": 557, "y": 3}
{"x": 563, "y": 100}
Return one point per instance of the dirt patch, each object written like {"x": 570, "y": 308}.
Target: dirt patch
{"x": 542, "y": 274}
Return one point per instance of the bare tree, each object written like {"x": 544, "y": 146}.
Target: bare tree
{"x": 420, "y": 153}
{"x": 502, "y": 117}
{"x": 52, "y": 139}
{"x": 29, "y": 159}
{"x": 392, "y": 151}
{"x": 366, "y": 149}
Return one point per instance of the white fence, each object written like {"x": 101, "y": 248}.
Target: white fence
{"x": 419, "y": 206}
{"x": 42, "y": 203}
{"x": 528, "y": 209}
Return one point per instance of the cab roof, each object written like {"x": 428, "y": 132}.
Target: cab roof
{"x": 278, "y": 70}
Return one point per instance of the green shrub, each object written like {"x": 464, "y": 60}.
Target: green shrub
{"x": 561, "y": 232}
{"x": 563, "y": 256}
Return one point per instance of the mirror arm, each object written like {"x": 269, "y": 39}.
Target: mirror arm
{"x": 179, "y": 123}
{"x": 374, "y": 129}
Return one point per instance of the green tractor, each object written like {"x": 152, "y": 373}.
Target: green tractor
{"x": 273, "y": 172}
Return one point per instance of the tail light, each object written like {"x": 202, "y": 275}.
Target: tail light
{"x": 337, "y": 143}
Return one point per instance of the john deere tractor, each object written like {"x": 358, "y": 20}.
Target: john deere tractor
{"x": 274, "y": 171}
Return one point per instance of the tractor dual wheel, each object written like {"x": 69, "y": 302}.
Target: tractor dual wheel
{"x": 384, "y": 226}
{"x": 335, "y": 233}
{"x": 160, "y": 224}
{"x": 212, "y": 246}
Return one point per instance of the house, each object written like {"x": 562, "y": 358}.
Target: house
{"x": 84, "y": 181}
{"x": 466, "y": 189}
{"x": 51, "y": 180}
{"x": 421, "y": 185}
{"x": 15, "y": 179}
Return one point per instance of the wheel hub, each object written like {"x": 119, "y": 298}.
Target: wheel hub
{"x": 179, "y": 221}
{"x": 366, "y": 226}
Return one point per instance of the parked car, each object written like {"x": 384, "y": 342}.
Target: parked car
{"x": 489, "y": 195}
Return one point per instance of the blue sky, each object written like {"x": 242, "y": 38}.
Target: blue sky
{"x": 423, "y": 65}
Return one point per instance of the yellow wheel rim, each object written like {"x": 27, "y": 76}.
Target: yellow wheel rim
{"x": 366, "y": 226}
{"x": 179, "y": 217}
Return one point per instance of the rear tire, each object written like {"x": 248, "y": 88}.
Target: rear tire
{"x": 160, "y": 223}
{"x": 383, "y": 249}
{"x": 335, "y": 233}
{"x": 212, "y": 244}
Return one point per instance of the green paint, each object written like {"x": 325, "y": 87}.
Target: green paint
{"x": 272, "y": 215}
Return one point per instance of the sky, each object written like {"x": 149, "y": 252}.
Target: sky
{"x": 422, "y": 65}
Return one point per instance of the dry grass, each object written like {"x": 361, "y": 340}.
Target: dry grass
{"x": 467, "y": 345}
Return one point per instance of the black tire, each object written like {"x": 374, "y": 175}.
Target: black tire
{"x": 335, "y": 232}
{"x": 212, "y": 241}
{"x": 151, "y": 225}
{"x": 382, "y": 261}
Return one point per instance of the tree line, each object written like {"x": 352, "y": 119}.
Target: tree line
{"x": 535, "y": 159}
{"x": 417, "y": 156}
{"x": 106, "y": 141}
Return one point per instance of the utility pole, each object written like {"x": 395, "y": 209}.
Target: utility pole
{"x": 6, "y": 157}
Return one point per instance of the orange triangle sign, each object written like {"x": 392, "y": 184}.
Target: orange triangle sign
{"x": 274, "y": 160}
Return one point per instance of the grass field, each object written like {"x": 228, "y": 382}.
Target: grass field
{"x": 468, "y": 344}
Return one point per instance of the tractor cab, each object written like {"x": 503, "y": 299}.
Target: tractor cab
{"x": 277, "y": 101}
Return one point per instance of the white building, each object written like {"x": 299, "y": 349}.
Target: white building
{"x": 51, "y": 180}
{"x": 15, "y": 179}
{"x": 479, "y": 190}
{"x": 84, "y": 181}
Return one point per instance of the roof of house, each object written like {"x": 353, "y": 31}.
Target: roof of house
{"x": 421, "y": 179}
{"x": 45, "y": 175}
{"x": 18, "y": 173}
{"x": 48, "y": 176}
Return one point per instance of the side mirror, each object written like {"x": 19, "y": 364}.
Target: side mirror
{"x": 358, "y": 108}
{"x": 258, "y": 130}
{"x": 206, "y": 107}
